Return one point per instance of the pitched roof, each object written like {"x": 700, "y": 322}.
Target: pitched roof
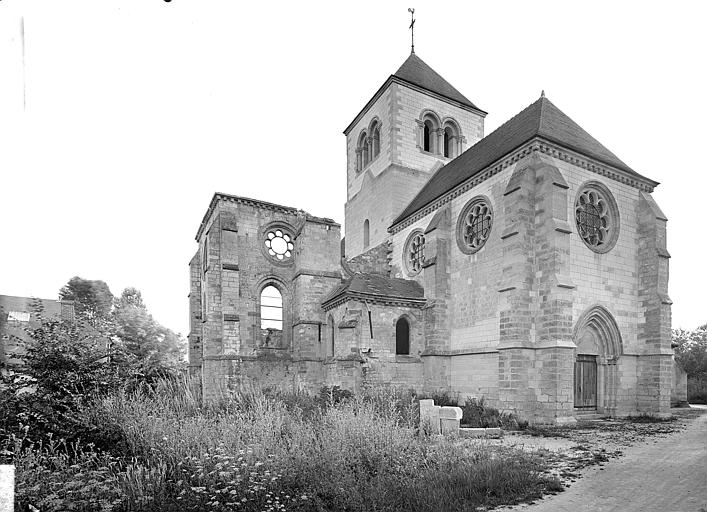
{"x": 540, "y": 119}
{"x": 376, "y": 286}
{"x": 415, "y": 71}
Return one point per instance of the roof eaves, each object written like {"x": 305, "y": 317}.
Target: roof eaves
{"x": 370, "y": 102}
{"x": 627, "y": 173}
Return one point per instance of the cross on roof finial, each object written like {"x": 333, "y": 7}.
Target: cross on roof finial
{"x": 542, "y": 93}
{"x": 412, "y": 28}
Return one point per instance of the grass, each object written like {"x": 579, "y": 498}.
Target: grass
{"x": 263, "y": 450}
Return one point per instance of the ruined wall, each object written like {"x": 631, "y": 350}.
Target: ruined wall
{"x": 237, "y": 268}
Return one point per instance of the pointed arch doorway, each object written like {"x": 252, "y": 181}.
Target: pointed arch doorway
{"x": 599, "y": 347}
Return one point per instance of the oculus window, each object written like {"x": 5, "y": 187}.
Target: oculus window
{"x": 474, "y": 225}
{"x": 279, "y": 245}
{"x": 414, "y": 255}
{"x": 597, "y": 217}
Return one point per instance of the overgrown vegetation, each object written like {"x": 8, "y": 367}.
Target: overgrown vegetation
{"x": 268, "y": 451}
{"x": 477, "y": 413}
{"x": 97, "y": 418}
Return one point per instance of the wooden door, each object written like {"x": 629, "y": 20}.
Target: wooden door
{"x": 585, "y": 382}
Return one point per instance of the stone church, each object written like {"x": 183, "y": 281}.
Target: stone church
{"x": 527, "y": 266}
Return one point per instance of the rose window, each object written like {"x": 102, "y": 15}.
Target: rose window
{"x": 593, "y": 219}
{"x": 415, "y": 252}
{"x": 474, "y": 225}
{"x": 279, "y": 244}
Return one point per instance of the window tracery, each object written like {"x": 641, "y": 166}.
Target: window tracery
{"x": 474, "y": 225}
{"x": 415, "y": 252}
{"x": 596, "y": 216}
{"x": 279, "y": 244}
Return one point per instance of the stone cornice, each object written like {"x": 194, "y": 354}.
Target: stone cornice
{"x": 347, "y": 296}
{"x": 537, "y": 144}
{"x": 256, "y": 203}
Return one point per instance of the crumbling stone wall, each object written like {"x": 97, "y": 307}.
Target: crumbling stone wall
{"x": 226, "y": 288}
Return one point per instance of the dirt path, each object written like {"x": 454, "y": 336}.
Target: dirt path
{"x": 667, "y": 474}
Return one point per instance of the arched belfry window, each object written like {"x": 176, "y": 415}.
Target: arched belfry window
{"x": 430, "y": 134}
{"x": 366, "y": 233}
{"x": 376, "y": 141}
{"x": 271, "y": 316}
{"x": 427, "y": 142}
{"x": 402, "y": 337}
{"x": 362, "y": 152}
{"x": 451, "y": 139}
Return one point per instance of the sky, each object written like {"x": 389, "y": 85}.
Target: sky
{"x": 128, "y": 115}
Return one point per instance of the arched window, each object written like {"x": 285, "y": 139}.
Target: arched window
{"x": 375, "y": 141}
{"x": 332, "y": 336}
{"x": 452, "y": 139}
{"x": 362, "y": 152}
{"x": 366, "y": 233}
{"x": 271, "y": 316}
{"x": 402, "y": 337}
{"x": 427, "y": 135}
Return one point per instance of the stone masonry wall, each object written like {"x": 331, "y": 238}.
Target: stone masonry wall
{"x": 361, "y": 360}
{"x": 383, "y": 189}
{"x": 528, "y": 305}
{"x": 373, "y": 261}
{"x": 238, "y": 269}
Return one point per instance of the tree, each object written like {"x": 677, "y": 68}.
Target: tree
{"x": 158, "y": 351}
{"x": 691, "y": 351}
{"x": 93, "y": 300}
{"x": 65, "y": 367}
{"x": 130, "y": 297}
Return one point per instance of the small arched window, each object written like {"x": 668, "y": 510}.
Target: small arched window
{"x": 362, "y": 152}
{"x": 402, "y": 337}
{"x": 427, "y": 136}
{"x": 448, "y": 149}
{"x": 366, "y": 233}
{"x": 375, "y": 142}
{"x": 271, "y": 316}
{"x": 452, "y": 139}
{"x": 332, "y": 336}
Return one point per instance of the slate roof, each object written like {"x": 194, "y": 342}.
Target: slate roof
{"x": 540, "y": 119}
{"x": 378, "y": 287}
{"x": 415, "y": 71}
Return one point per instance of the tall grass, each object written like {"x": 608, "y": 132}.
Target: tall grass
{"x": 280, "y": 451}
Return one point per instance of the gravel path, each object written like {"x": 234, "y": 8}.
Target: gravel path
{"x": 665, "y": 474}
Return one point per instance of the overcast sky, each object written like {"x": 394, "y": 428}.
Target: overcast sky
{"x": 137, "y": 111}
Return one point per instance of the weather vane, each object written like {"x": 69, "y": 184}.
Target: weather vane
{"x": 412, "y": 28}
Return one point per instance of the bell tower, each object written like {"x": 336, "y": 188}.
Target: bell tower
{"x": 414, "y": 124}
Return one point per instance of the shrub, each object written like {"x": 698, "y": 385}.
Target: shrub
{"x": 475, "y": 413}
{"x": 262, "y": 451}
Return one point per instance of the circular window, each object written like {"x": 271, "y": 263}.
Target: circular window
{"x": 597, "y": 217}
{"x": 414, "y": 255}
{"x": 474, "y": 225}
{"x": 279, "y": 244}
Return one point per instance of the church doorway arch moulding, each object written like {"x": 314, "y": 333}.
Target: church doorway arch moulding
{"x": 596, "y": 375}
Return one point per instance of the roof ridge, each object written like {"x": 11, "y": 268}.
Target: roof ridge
{"x": 540, "y": 119}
